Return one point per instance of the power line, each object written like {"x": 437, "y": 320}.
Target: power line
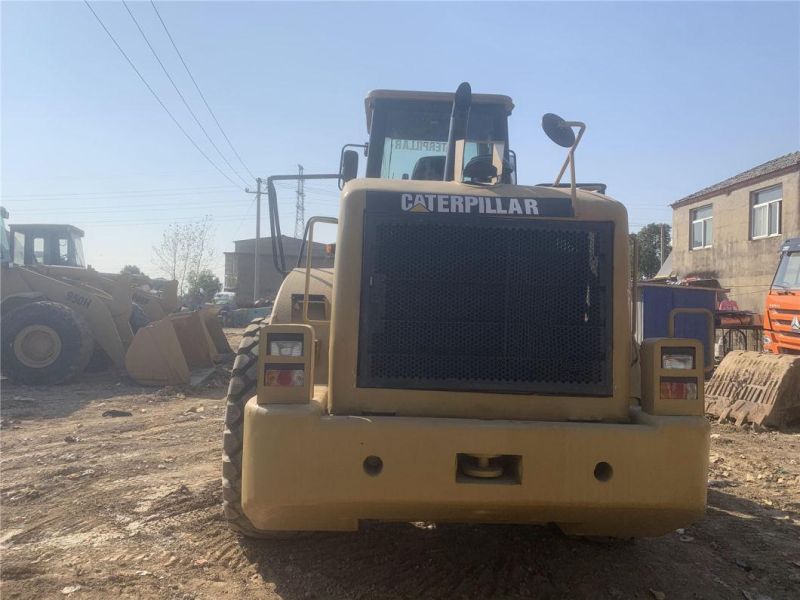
{"x": 211, "y": 112}
{"x": 158, "y": 219}
{"x": 167, "y": 191}
{"x": 122, "y": 208}
{"x": 164, "y": 106}
{"x": 183, "y": 99}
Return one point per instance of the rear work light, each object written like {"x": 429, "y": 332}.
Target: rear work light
{"x": 677, "y": 358}
{"x": 285, "y": 344}
{"x": 286, "y": 347}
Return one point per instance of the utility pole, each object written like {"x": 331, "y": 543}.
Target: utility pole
{"x": 300, "y": 210}
{"x": 256, "y": 253}
{"x": 661, "y": 254}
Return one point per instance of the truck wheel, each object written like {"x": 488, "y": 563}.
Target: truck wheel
{"x": 45, "y": 343}
{"x": 138, "y": 318}
{"x": 241, "y": 388}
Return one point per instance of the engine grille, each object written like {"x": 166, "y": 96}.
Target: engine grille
{"x": 486, "y": 304}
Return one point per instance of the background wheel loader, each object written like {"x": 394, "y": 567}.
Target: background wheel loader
{"x": 764, "y": 387}
{"x": 469, "y": 357}
{"x": 59, "y": 317}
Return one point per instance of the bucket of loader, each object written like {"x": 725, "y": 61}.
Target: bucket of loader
{"x": 755, "y": 387}
{"x": 179, "y": 349}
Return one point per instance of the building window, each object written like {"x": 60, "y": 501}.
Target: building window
{"x": 702, "y": 221}
{"x": 765, "y": 214}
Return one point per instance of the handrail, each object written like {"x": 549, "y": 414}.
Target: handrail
{"x": 309, "y": 258}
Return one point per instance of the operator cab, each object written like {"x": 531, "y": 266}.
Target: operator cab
{"x": 787, "y": 276}
{"x": 46, "y": 244}
{"x": 409, "y": 137}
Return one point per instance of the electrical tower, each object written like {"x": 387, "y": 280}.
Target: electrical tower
{"x": 300, "y": 211}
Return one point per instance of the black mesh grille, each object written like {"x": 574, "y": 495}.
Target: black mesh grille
{"x": 486, "y": 304}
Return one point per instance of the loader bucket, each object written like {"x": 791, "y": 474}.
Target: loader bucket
{"x": 760, "y": 388}
{"x": 197, "y": 345}
{"x": 155, "y": 356}
{"x": 210, "y": 318}
{"x": 179, "y": 349}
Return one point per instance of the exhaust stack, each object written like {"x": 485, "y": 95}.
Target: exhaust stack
{"x": 459, "y": 119}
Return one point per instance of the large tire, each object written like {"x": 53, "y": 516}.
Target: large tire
{"x": 242, "y": 387}
{"x": 66, "y": 347}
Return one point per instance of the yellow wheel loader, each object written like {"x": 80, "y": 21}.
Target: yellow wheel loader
{"x": 58, "y": 317}
{"x": 57, "y": 250}
{"x": 469, "y": 357}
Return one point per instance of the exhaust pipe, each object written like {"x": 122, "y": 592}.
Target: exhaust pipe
{"x": 459, "y": 119}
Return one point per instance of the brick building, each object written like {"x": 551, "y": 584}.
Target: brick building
{"x": 731, "y": 231}
{"x": 240, "y": 266}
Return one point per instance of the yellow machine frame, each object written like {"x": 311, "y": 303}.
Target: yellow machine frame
{"x": 328, "y": 455}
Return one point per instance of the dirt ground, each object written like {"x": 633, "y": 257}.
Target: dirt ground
{"x": 129, "y": 507}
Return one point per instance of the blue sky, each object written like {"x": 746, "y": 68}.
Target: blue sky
{"x": 676, "y": 96}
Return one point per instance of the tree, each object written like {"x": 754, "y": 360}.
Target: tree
{"x": 185, "y": 248}
{"x": 649, "y": 238}
{"x": 131, "y": 270}
{"x": 202, "y": 285}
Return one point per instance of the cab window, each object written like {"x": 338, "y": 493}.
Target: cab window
{"x": 19, "y": 248}
{"x": 78, "y": 260}
{"x": 788, "y": 274}
{"x": 63, "y": 252}
{"x": 37, "y": 256}
{"x": 410, "y": 138}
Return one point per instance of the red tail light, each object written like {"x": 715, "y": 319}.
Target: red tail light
{"x": 678, "y": 389}
{"x": 284, "y": 375}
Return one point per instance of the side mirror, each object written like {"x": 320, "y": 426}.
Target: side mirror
{"x": 561, "y": 132}
{"x": 558, "y": 130}
{"x": 349, "y": 168}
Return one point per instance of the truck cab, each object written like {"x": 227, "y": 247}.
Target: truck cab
{"x": 782, "y": 314}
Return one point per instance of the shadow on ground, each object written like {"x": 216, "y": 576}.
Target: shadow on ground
{"x": 739, "y": 547}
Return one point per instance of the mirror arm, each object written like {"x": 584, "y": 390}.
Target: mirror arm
{"x": 275, "y": 229}
{"x": 570, "y": 160}
{"x": 278, "y": 256}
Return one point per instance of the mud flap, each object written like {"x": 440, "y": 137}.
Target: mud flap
{"x": 755, "y": 387}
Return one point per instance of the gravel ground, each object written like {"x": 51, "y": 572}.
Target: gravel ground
{"x": 98, "y": 506}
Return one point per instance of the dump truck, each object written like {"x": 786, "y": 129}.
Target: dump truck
{"x": 470, "y": 355}
{"x": 60, "y": 317}
{"x": 764, "y": 387}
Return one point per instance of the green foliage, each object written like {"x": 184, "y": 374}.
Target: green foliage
{"x": 649, "y": 238}
{"x": 131, "y": 270}
{"x": 202, "y": 285}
